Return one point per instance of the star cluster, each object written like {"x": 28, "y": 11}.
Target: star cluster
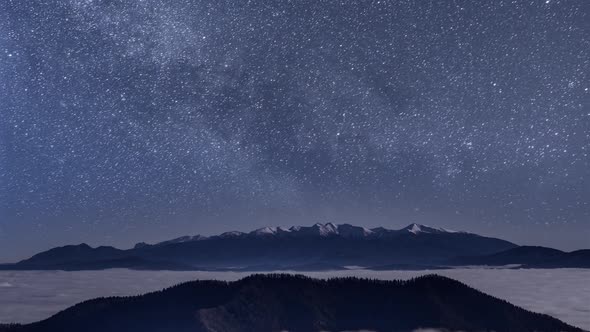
{"x": 121, "y": 113}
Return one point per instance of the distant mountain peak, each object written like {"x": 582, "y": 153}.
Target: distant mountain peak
{"x": 231, "y": 234}
{"x": 326, "y": 229}
{"x": 418, "y": 228}
{"x": 269, "y": 230}
{"x": 265, "y": 231}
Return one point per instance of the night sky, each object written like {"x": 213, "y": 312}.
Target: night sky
{"x": 143, "y": 120}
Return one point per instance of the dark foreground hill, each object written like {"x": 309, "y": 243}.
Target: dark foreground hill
{"x": 297, "y": 303}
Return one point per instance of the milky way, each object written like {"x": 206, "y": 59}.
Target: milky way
{"x": 129, "y": 119}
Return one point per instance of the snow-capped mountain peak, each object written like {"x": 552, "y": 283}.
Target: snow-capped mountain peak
{"x": 318, "y": 229}
{"x": 231, "y": 234}
{"x": 270, "y": 231}
{"x": 265, "y": 231}
{"x": 417, "y": 228}
{"x": 326, "y": 229}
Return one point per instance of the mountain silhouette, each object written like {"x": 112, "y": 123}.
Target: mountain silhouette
{"x": 530, "y": 257}
{"x": 318, "y": 245}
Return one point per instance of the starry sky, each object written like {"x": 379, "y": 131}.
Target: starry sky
{"x": 142, "y": 120}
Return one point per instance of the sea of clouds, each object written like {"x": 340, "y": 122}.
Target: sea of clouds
{"x": 27, "y": 296}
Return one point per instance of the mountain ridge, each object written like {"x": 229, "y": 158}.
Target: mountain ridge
{"x": 530, "y": 257}
{"x": 318, "y": 229}
{"x": 326, "y": 245}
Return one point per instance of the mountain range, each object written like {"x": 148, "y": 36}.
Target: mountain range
{"x": 282, "y": 302}
{"x": 318, "y": 247}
